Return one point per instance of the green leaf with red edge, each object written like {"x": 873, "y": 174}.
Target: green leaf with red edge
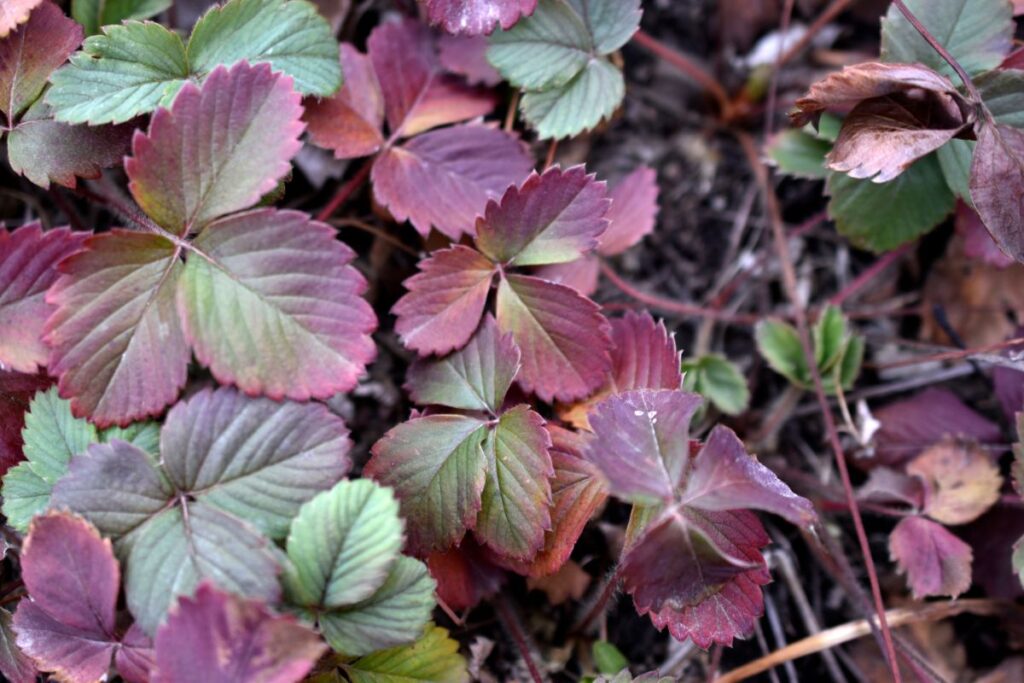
{"x": 725, "y": 600}
{"x": 723, "y": 476}
{"x": 28, "y": 266}
{"x": 218, "y": 149}
{"x": 444, "y": 301}
{"x": 63, "y": 628}
{"x": 16, "y": 391}
{"x": 30, "y": 54}
{"x": 438, "y": 468}
{"x": 475, "y": 378}
{"x": 418, "y": 95}
{"x": 444, "y": 178}
{"x": 997, "y": 185}
{"x": 633, "y": 211}
{"x": 476, "y": 17}
{"x": 578, "y": 490}
{"x": 349, "y": 123}
{"x": 641, "y": 442}
{"x": 116, "y": 341}
{"x": 935, "y": 561}
{"x": 551, "y": 218}
{"x": 644, "y": 354}
{"x": 517, "y": 494}
{"x": 13, "y": 13}
{"x": 288, "y": 283}
{"x": 47, "y": 151}
{"x": 219, "y": 636}
{"x": 563, "y": 337}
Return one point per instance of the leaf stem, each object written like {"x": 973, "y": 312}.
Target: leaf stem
{"x": 511, "y": 623}
{"x": 688, "y": 67}
{"x": 346, "y": 190}
{"x": 611, "y": 585}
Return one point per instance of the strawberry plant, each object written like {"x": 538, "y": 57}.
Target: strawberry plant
{"x": 315, "y": 362}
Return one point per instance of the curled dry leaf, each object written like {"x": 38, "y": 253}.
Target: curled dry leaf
{"x": 997, "y": 185}
{"x": 960, "y": 481}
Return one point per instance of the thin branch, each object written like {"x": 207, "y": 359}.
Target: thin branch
{"x": 831, "y": 12}
{"x": 511, "y": 623}
{"x": 688, "y": 67}
{"x": 789, "y": 281}
{"x": 611, "y": 584}
{"x": 959, "y": 354}
{"x": 870, "y": 274}
{"x": 346, "y": 190}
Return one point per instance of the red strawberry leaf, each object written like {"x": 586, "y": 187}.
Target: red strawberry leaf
{"x": 467, "y": 57}
{"x": 474, "y": 378}
{"x": 218, "y": 149}
{"x": 563, "y": 337}
{"x": 116, "y": 341}
{"x": 349, "y": 124}
{"x": 551, "y": 218}
{"x": 644, "y": 354}
{"x": 444, "y": 178}
{"x": 475, "y": 17}
{"x": 28, "y": 266}
{"x": 418, "y": 95}
{"x": 581, "y": 274}
{"x": 16, "y": 391}
{"x": 997, "y": 185}
{"x": 218, "y": 636}
{"x": 633, "y": 211}
{"x": 935, "y": 561}
{"x": 14, "y": 664}
{"x": 288, "y": 283}
{"x": 640, "y": 441}
{"x": 31, "y": 53}
{"x": 445, "y": 300}
{"x": 465, "y": 575}
{"x": 65, "y": 629}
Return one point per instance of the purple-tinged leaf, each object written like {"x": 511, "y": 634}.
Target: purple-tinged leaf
{"x": 912, "y": 425}
{"x": 476, "y": 17}
{"x": 633, "y": 211}
{"x": 551, "y": 218}
{"x": 997, "y": 185}
{"x": 13, "y": 13}
{"x": 279, "y": 311}
{"x": 418, "y": 95}
{"x": 28, "y": 266}
{"x": 724, "y": 476}
{"x": 30, "y": 54}
{"x": 47, "y": 151}
{"x": 134, "y": 660}
{"x": 517, "y": 496}
{"x": 218, "y": 149}
{"x": 477, "y": 377}
{"x": 16, "y": 391}
{"x": 644, "y": 354}
{"x": 216, "y": 636}
{"x": 978, "y": 243}
{"x": 708, "y": 587}
{"x": 116, "y": 340}
{"x": 445, "y": 300}
{"x": 444, "y": 178}
{"x": 467, "y": 57}
{"x": 437, "y": 467}
{"x": 641, "y": 442}
{"x": 255, "y": 458}
{"x": 578, "y": 489}
{"x": 935, "y": 561}
{"x": 349, "y": 124}
{"x": 14, "y": 664}
{"x": 465, "y": 575}
{"x": 581, "y": 274}
{"x": 562, "y": 336}
{"x": 64, "y": 627}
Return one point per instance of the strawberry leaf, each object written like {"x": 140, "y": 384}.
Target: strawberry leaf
{"x": 15, "y": 12}
{"x": 14, "y": 664}
{"x": 349, "y": 123}
{"x": 218, "y": 149}
{"x": 222, "y": 637}
{"x": 445, "y": 177}
{"x": 475, "y": 378}
{"x": 342, "y": 545}
{"x": 544, "y": 51}
{"x": 467, "y": 57}
{"x": 31, "y": 53}
{"x": 580, "y": 105}
{"x": 434, "y": 657}
{"x": 640, "y": 441}
{"x": 562, "y": 335}
{"x": 475, "y": 17}
{"x": 289, "y": 35}
{"x": 551, "y": 218}
{"x": 517, "y": 494}
{"x": 28, "y": 266}
{"x": 633, "y": 211}
{"x": 26, "y": 494}
{"x": 437, "y": 467}
{"x": 935, "y": 561}
{"x": 289, "y": 284}
{"x": 65, "y": 629}
{"x": 127, "y": 70}
{"x": 445, "y": 300}
{"x": 92, "y": 14}
{"x": 960, "y": 481}
{"x": 16, "y": 391}
{"x": 465, "y": 574}
{"x": 997, "y": 185}
{"x": 117, "y": 344}
{"x": 644, "y": 354}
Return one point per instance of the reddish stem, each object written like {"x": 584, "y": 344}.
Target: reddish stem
{"x": 873, "y": 271}
{"x": 958, "y": 354}
{"x": 511, "y": 622}
{"x": 790, "y": 284}
{"x": 346, "y": 190}
{"x": 688, "y": 67}
{"x": 830, "y": 13}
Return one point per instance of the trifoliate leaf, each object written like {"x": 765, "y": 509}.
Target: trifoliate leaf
{"x": 434, "y": 658}
{"x": 544, "y": 51}
{"x": 717, "y": 379}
